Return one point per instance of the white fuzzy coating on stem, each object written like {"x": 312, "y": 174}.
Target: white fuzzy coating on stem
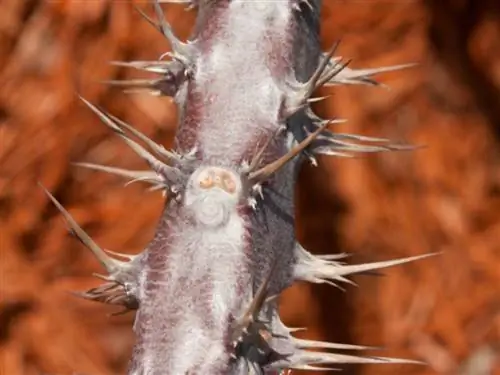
{"x": 188, "y": 295}
{"x": 238, "y": 98}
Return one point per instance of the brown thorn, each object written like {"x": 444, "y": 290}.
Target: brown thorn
{"x": 109, "y": 263}
{"x": 166, "y": 30}
{"x": 124, "y": 311}
{"x": 146, "y": 17}
{"x": 258, "y": 156}
{"x": 321, "y": 68}
{"x": 255, "y": 306}
{"x": 260, "y": 296}
{"x": 333, "y": 73}
{"x": 271, "y": 168}
{"x": 158, "y": 149}
{"x": 155, "y": 164}
{"x": 137, "y": 83}
{"x": 150, "y": 175}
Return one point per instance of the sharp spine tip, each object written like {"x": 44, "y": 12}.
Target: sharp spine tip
{"x": 108, "y": 263}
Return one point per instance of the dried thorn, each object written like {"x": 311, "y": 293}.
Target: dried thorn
{"x": 165, "y": 86}
{"x": 308, "y": 3}
{"x": 180, "y": 49}
{"x": 364, "y": 76}
{"x": 252, "y": 202}
{"x": 316, "y": 99}
{"x": 145, "y": 175}
{"x": 312, "y": 84}
{"x": 325, "y": 78}
{"x": 141, "y": 179}
{"x": 149, "y": 92}
{"x": 107, "y": 121}
{"x": 304, "y": 360}
{"x": 251, "y": 314}
{"x": 137, "y": 83}
{"x": 122, "y": 255}
{"x": 328, "y": 135}
{"x": 359, "y": 268}
{"x": 124, "y": 311}
{"x": 313, "y": 368}
{"x": 104, "y": 277}
{"x": 160, "y": 67}
{"x": 271, "y": 168}
{"x": 169, "y": 173}
{"x": 301, "y": 92}
{"x": 257, "y": 188}
{"x": 158, "y": 149}
{"x": 108, "y": 263}
{"x": 157, "y": 187}
{"x": 259, "y": 155}
{"x": 176, "y": 1}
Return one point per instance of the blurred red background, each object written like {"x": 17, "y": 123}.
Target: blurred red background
{"x": 445, "y": 197}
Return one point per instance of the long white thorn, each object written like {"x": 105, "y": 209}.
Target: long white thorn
{"x": 363, "y": 76}
{"x": 320, "y": 270}
{"x": 313, "y": 344}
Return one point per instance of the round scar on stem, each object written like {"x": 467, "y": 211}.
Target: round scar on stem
{"x": 217, "y": 177}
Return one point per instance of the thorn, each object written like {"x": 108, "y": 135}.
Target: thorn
{"x": 328, "y": 76}
{"x": 271, "y": 168}
{"x": 137, "y": 83}
{"x": 317, "y": 99}
{"x": 257, "y": 188}
{"x": 159, "y": 67}
{"x": 358, "y": 268}
{"x": 104, "y": 277}
{"x": 108, "y": 263}
{"x": 322, "y": 269}
{"x": 167, "y": 85}
{"x": 149, "y": 176}
{"x": 313, "y": 81}
{"x": 308, "y": 3}
{"x": 141, "y": 179}
{"x": 157, "y": 148}
{"x": 241, "y": 326}
{"x": 252, "y": 202}
{"x": 123, "y": 311}
{"x": 130, "y": 257}
{"x": 102, "y": 116}
{"x": 364, "y": 76}
{"x": 260, "y": 153}
{"x": 156, "y": 93}
{"x": 179, "y": 48}
{"x": 329, "y": 152}
{"x": 302, "y": 92}
{"x": 170, "y": 174}
{"x": 312, "y": 368}
{"x": 305, "y": 344}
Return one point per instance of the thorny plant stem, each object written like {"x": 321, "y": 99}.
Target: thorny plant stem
{"x": 205, "y": 287}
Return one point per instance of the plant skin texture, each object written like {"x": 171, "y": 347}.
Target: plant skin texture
{"x": 205, "y": 288}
